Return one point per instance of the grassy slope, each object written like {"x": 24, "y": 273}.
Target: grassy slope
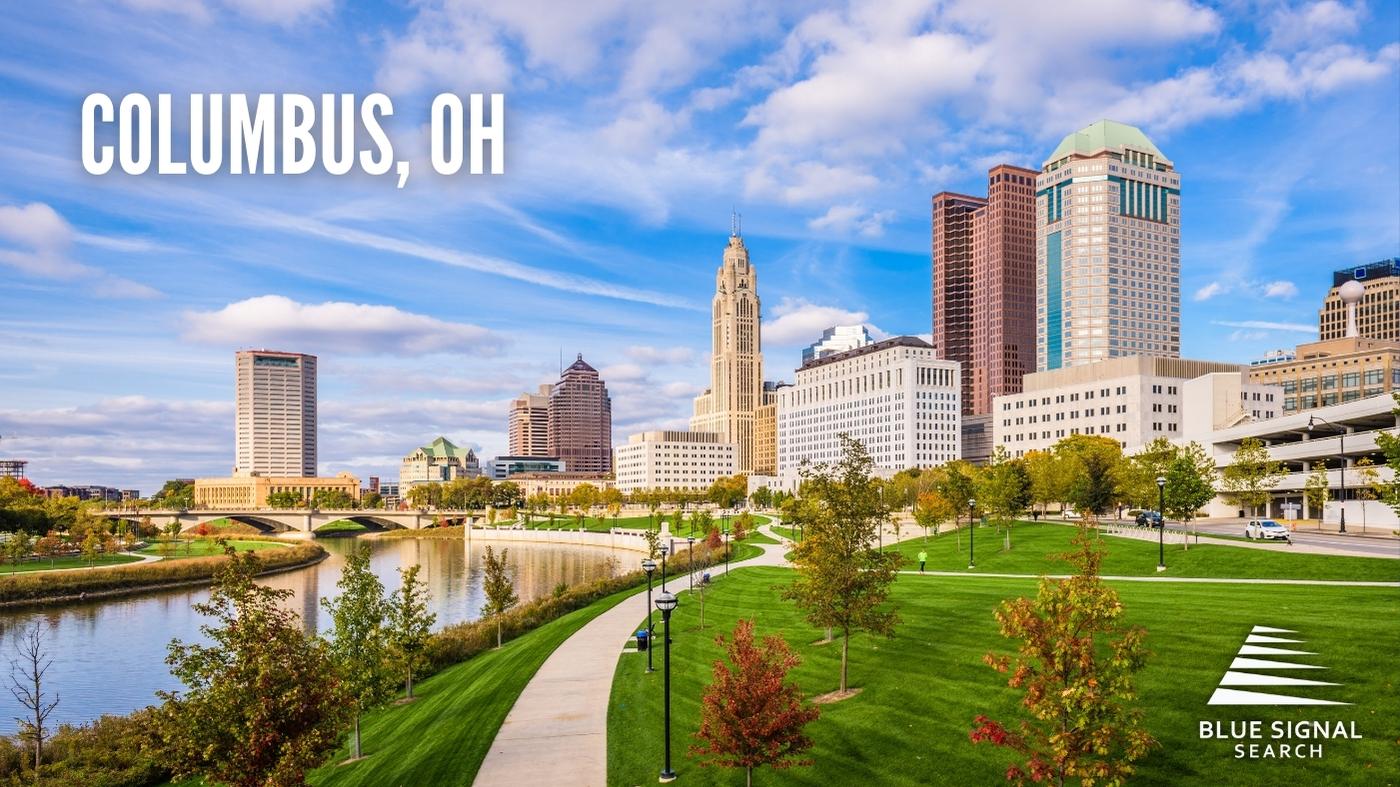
{"x": 204, "y": 547}
{"x": 442, "y": 737}
{"x": 72, "y": 561}
{"x": 341, "y": 526}
{"x": 1033, "y": 545}
{"x": 922, "y": 689}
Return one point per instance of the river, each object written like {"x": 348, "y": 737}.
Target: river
{"x": 109, "y": 656}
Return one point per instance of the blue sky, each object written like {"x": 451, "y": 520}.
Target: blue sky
{"x": 633, "y": 128}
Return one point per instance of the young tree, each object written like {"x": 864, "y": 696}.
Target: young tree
{"x": 842, "y": 581}
{"x": 931, "y": 511}
{"x": 1075, "y": 661}
{"x": 958, "y": 484}
{"x": 1003, "y": 488}
{"x": 750, "y": 715}
{"x": 264, "y": 701}
{"x": 653, "y": 539}
{"x": 1187, "y": 489}
{"x": 500, "y": 590}
{"x": 27, "y": 671}
{"x": 91, "y": 548}
{"x": 743, "y": 523}
{"x": 1048, "y": 479}
{"x": 1250, "y": 477}
{"x": 1093, "y": 463}
{"x": 49, "y": 546}
{"x": 409, "y": 624}
{"x": 18, "y": 547}
{"x": 1370, "y": 486}
{"x": 1316, "y": 489}
{"x": 358, "y": 641}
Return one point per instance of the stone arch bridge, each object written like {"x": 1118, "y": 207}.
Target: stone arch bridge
{"x": 301, "y": 519}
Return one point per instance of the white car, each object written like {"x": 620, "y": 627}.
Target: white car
{"x": 1266, "y": 530}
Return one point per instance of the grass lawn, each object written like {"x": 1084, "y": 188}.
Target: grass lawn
{"x": 790, "y": 533}
{"x": 70, "y": 561}
{"x": 1033, "y": 545}
{"x": 443, "y": 736}
{"x": 203, "y": 547}
{"x": 340, "y": 526}
{"x": 921, "y": 690}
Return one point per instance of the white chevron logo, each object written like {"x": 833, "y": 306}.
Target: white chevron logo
{"x": 1263, "y": 641}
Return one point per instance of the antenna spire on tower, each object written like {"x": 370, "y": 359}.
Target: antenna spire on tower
{"x": 736, "y": 220}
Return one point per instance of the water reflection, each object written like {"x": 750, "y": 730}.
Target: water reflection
{"x": 109, "y": 656}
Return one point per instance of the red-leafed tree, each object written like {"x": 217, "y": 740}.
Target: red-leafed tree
{"x": 750, "y": 715}
{"x": 713, "y": 540}
{"x": 1075, "y": 663}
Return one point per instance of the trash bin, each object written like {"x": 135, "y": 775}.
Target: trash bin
{"x": 642, "y": 637}
{"x": 705, "y": 578}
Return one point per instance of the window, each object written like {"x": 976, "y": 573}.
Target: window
{"x": 1329, "y": 382}
{"x": 1374, "y": 376}
{"x": 1290, "y": 386}
{"x": 1351, "y": 379}
{"x": 1308, "y": 384}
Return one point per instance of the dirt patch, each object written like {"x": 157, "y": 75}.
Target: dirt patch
{"x": 835, "y": 696}
{"x": 352, "y": 759}
{"x": 404, "y": 701}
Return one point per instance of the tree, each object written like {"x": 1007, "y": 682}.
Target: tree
{"x": 1075, "y": 662}
{"x": 371, "y": 500}
{"x": 1317, "y": 489}
{"x": 743, "y": 523}
{"x": 931, "y": 511}
{"x": 729, "y": 491}
{"x": 1370, "y": 486}
{"x": 285, "y": 499}
{"x": 762, "y": 497}
{"x": 18, "y": 547}
{"x": 842, "y": 581}
{"x": 500, "y": 590}
{"x": 1049, "y": 483}
{"x": 507, "y": 494}
{"x": 332, "y": 499}
{"x": 409, "y": 624}
{"x": 1003, "y": 488}
{"x": 264, "y": 701}
{"x": 957, "y": 485}
{"x": 750, "y": 715}
{"x": 1092, "y": 462}
{"x": 1138, "y": 481}
{"x": 653, "y": 538}
{"x": 358, "y": 642}
{"x": 174, "y": 495}
{"x": 91, "y": 548}
{"x": 1187, "y": 488}
{"x": 49, "y": 546}
{"x": 27, "y": 673}
{"x": 1250, "y": 477}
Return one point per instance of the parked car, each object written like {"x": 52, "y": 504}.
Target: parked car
{"x": 1148, "y": 519}
{"x": 1266, "y": 530}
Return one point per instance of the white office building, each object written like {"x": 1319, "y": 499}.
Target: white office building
{"x": 895, "y": 396}
{"x": 275, "y": 414}
{"x": 1133, "y": 400}
{"x": 673, "y": 460}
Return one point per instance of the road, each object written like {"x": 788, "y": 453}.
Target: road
{"x": 1363, "y": 546}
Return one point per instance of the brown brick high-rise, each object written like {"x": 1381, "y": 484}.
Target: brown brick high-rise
{"x": 984, "y": 285}
{"x": 580, "y": 420}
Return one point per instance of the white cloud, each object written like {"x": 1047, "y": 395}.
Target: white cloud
{"x": 1266, "y": 325}
{"x": 1241, "y": 335}
{"x": 40, "y": 240}
{"x": 797, "y": 322}
{"x": 1209, "y": 291}
{"x": 349, "y": 328}
{"x": 806, "y": 181}
{"x": 660, "y": 355}
{"x": 1280, "y": 289}
{"x": 847, "y": 219}
{"x": 1293, "y": 26}
{"x": 282, "y": 12}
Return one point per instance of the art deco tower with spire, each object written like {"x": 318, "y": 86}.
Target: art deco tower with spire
{"x": 736, "y": 362}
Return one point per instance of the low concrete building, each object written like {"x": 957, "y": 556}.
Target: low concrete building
{"x": 673, "y": 460}
{"x": 243, "y": 492}
{"x": 556, "y": 484}
{"x": 503, "y": 467}
{"x": 1333, "y": 372}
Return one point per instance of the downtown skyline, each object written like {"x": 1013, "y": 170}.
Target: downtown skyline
{"x": 432, "y": 308}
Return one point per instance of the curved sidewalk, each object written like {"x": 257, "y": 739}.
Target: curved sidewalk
{"x": 557, "y": 731}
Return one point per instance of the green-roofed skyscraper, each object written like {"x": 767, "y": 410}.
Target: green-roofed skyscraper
{"x": 1108, "y": 249}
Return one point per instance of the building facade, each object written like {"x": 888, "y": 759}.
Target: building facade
{"x": 556, "y": 484}
{"x": 673, "y": 460}
{"x": 728, "y": 407}
{"x": 503, "y": 467}
{"x": 580, "y": 420}
{"x": 895, "y": 396}
{"x": 1333, "y": 372}
{"x": 837, "y": 339}
{"x": 1108, "y": 242}
{"x": 251, "y": 491}
{"x": 1133, "y": 400}
{"x": 984, "y": 284}
{"x": 765, "y": 432}
{"x": 1377, "y": 308}
{"x": 275, "y": 413}
{"x": 437, "y": 462}
{"x": 528, "y": 428}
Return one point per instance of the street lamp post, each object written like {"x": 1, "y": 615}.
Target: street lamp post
{"x": 726, "y": 549}
{"x": 649, "y": 566}
{"x": 881, "y": 524}
{"x": 690, "y": 561}
{"x": 667, "y": 602}
{"x": 1342, "y": 456}
{"x": 664, "y": 550}
{"x": 1161, "y": 522}
{"x": 971, "y": 536}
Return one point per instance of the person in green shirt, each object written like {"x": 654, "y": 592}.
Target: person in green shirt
{"x": 923, "y": 558}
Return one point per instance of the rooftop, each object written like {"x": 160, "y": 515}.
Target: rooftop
{"x": 1105, "y": 135}
{"x": 897, "y": 341}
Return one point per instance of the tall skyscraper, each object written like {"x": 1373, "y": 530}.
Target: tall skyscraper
{"x": 727, "y": 407}
{"x": 1108, "y": 249}
{"x": 275, "y": 422}
{"x": 1378, "y": 311}
{"x": 528, "y": 429}
{"x": 580, "y": 420}
{"x": 837, "y": 339}
{"x": 984, "y": 284}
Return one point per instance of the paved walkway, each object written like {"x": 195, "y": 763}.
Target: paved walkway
{"x": 557, "y": 731}
{"x": 1205, "y": 580}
